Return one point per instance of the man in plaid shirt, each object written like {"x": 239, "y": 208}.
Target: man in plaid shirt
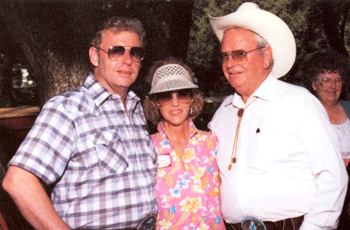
{"x": 92, "y": 145}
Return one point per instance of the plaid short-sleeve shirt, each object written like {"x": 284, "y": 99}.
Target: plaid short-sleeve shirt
{"x": 99, "y": 157}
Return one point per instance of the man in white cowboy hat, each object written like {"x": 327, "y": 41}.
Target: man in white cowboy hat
{"x": 279, "y": 160}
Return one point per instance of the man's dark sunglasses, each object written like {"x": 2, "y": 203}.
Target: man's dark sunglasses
{"x": 115, "y": 53}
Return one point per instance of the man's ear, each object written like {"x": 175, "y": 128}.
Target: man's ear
{"x": 313, "y": 84}
{"x": 93, "y": 55}
{"x": 267, "y": 57}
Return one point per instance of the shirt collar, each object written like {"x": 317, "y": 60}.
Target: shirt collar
{"x": 266, "y": 91}
{"x": 100, "y": 94}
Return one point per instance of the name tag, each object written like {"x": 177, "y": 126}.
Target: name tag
{"x": 164, "y": 160}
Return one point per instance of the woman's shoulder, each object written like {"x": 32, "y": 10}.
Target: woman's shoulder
{"x": 204, "y": 132}
{"x": 207, "y": 135}
{"x": 157, "y": 138}
{"x": 346, "y": 106}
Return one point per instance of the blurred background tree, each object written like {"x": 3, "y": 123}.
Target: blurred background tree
{"x": 53, "y": 37}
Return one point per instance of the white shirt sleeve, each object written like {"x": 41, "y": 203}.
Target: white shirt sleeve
{"x": 326, "y": 164}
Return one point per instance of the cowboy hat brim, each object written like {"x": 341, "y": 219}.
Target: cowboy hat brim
{"x": 273, "y": 29}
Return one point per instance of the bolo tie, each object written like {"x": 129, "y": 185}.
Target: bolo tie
{"x": 235, "y": 144}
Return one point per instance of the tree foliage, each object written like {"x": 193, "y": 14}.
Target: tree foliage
{"x": 54, "y": 51}
{"x": 54, "y": 36}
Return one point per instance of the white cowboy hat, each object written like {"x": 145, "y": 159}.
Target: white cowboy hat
{"x": 273, "y": 29}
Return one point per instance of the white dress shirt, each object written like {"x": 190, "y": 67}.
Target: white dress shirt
{"x": 343, "y": 133}
{"x": 288, "y": 158}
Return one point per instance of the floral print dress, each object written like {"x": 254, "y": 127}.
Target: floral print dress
{"x": 188, "y": 187}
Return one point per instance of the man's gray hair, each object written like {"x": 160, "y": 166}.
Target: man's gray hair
{"x": 261, "y": 44}
{"x": 117, "y": 25}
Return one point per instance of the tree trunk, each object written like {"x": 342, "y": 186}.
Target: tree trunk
{"x": 63, "y": 77}
{"x": 53, "y": 73}
{"x": 331, "y": 19}
{"x": 6, "y": 82}
{"x": 180, "y": 28}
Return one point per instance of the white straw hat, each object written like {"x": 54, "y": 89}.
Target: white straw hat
{"x": 171, "y": 77}
{"x": 273, "y": 29}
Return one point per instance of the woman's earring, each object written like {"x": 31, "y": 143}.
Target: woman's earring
{"x": 191, "y": 111}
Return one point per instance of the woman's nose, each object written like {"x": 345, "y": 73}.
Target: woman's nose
{"x": 175, "y": 99}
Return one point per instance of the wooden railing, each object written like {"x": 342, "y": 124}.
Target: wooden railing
{"x": 15, "y": 123}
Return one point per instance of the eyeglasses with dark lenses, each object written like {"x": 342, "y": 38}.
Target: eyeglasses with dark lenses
{"x": 183, "y": 95}
{"x": 328, "y": 82}
{"x": 115, "y": 53}
{"x": 239, "y": 56}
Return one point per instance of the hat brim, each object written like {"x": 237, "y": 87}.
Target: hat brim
{"x": 273, "y": 29}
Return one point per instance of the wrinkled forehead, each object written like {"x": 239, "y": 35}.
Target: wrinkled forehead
{"x": 123, "y": 38}
{"x": 238, "y": 38}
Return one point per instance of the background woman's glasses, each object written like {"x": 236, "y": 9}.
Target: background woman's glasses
{"x": 328, "y": 82}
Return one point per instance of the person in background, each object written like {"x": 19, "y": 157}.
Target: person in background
{"x": 327, "y": 72}
{"x": 91, "y": 145}
{"x": 188, "y": 178}
{"x": 280, "y": 166}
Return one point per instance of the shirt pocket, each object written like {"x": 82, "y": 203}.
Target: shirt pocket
{"x": 110, "y": 151}
{"x": 275, "y": 146}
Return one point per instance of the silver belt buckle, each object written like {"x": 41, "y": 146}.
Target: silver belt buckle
{"x": 149, "y": 223}
{"x": 253, "y": 224}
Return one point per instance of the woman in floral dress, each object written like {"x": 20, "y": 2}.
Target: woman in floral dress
{"x": 188, "y": 177}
